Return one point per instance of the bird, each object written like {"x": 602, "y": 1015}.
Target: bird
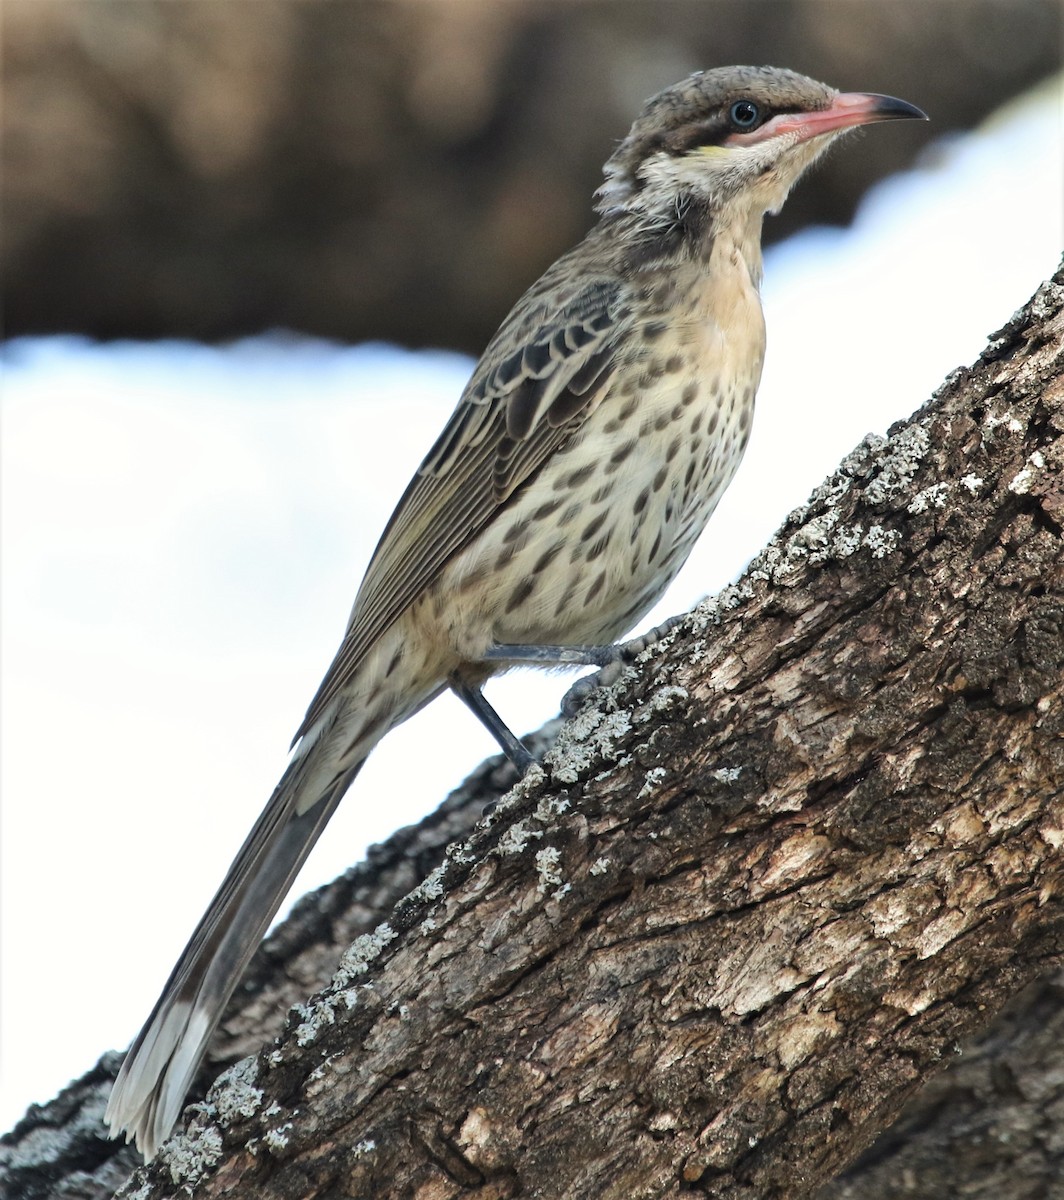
{"x": 585, "y": 456}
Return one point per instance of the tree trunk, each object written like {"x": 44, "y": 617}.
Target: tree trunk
{"x": 759, "y": 891}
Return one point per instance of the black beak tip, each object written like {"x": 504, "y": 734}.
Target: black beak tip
{"x": 891, "y": 108}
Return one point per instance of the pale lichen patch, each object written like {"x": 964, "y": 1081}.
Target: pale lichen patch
{"x": 461, "y": 853}
{"x": 534, "y": 777}
{"x": 650, "y": 782}
{"x": 517, "y": 837}
{"x": 896, "y": 467}
{"x": 276, "y": 1140}
{"x": 362, "y": 951}
{"x": 233, "y": 1093}
{"x": 727, "y": 774}
{"x": 885, "y": 467}
{"x": 585, "y": 740}
{"x": 1020, "y": 483}
{"x": 881, "y": 541}
{"x": 190, "y": 1155}
{"x": 550, "y": 807}
{"x": 711, "y": 610}
{"x": 431, "y": 887}
{"x": 930, "y": 497}
{"x": 995, "y": 421}
{"x": 316, "y": 1017}
{"x": 665, "y": 700}
{"x": 548, "y": 866}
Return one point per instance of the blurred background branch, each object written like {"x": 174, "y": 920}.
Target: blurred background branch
{"x": 381, "y": 169}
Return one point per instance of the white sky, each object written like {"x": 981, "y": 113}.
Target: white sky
{"x": 184, "y": 529}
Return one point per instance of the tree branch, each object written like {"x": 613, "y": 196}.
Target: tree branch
{"x": 989, "y": 1127}
{"x": 758, "y": 893}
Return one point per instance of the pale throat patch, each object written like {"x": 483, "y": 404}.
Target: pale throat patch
{"x": 765, "y": 171}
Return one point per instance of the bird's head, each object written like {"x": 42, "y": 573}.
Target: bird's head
{"x": 732, "y": 136}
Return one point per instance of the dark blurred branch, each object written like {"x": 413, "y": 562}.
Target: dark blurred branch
{"x": 371, "y": 170}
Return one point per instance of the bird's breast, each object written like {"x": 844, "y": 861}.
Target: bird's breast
{"x": 588, "y": 547}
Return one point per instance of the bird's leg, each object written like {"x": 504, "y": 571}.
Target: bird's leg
{"x": 569, "y": 656}
{"x": 474, "y": 699}
{"x": 610, "y": 660}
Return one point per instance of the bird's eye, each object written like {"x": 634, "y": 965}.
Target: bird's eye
{"x": 744, "y": 114}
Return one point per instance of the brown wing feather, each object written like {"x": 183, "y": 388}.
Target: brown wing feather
{"x": 517, "y": 408}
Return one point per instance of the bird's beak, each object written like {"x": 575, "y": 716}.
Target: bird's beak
{"x": 847, "y": 110}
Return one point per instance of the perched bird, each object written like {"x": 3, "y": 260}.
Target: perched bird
{"x": 585, "y": 456}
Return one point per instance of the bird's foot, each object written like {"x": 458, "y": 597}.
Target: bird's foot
{"x": 620, "y": 656}
{"x": 611, "y": 661}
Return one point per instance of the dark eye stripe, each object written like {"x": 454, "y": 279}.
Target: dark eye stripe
{"x": 701, "y": 133}
{"x": 709, "y": 131}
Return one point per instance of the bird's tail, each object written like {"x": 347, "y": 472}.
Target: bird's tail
{"x": 158, "y": 1070}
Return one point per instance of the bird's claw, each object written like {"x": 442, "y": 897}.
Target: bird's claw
{"x": 615, "y": 660}
{"x": 574, "y": 698}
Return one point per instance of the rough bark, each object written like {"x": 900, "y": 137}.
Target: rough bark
{"x": 393, "y": 170}
{"x": 761, "y": 889}
{"x": 989, "y": 1127}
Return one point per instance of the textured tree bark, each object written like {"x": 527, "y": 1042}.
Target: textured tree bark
{"x": 989, "y": 1127}
{"x": 761, "y": 888}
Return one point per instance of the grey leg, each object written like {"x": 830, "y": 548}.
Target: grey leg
{"x": 473, "y": 698}
{"x": 610, "y": 659}
{"x": 575, "y": 656}
{"x": 583, "y": 656}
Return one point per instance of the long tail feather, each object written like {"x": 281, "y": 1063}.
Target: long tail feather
{"x": 158, "y": 1070}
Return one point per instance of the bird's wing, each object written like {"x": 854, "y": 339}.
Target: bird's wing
{"x": 542, "y": 374}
